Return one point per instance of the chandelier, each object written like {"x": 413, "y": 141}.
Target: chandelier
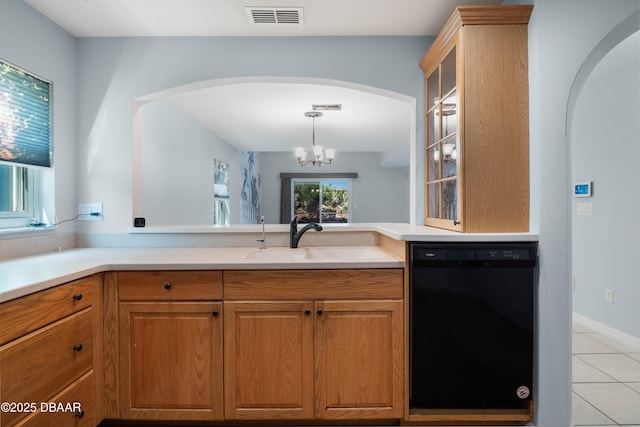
{"x": 318, "y": 154}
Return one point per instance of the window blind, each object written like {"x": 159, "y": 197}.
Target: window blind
{"x": 25, "y": 117}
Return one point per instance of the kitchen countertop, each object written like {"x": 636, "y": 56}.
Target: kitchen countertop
{"x": 26, "y": 275}
{"x": 397, "y": 231}
{"x": 22, "y": 276}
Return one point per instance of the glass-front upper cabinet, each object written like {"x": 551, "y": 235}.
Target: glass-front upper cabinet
{"x": 442, "y": 144}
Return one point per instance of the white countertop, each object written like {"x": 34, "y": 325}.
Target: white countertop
{"x": 26, "y": 275}
{"x": 23, "y": 276}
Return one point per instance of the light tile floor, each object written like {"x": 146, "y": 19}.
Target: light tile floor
{"x": 606, "y": 380}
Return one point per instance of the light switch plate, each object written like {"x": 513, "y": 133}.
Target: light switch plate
{"x": 86, "y": 209}
{"x": 585, "y": 209}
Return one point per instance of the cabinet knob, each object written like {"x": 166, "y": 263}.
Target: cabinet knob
{"x": 79, "y": 414}
{"x": 320, "y": 312}
{"x": 215, "y": 313}
{"x": 77, "y": 347}
{"x": 307, "y": 311}
{"x": 77, "y": 297}
{"x": 167, "y": 286}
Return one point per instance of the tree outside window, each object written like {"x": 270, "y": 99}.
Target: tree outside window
{"x": 324, "y": 201}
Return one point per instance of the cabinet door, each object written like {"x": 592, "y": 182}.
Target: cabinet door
{"x": 268, "y": 360}
{"x": 442, "y": 142}
{"x": 359, "y": 356}
{"x": 171, "y": 361}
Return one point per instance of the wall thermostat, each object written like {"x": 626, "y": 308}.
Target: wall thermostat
{"x": 582, "y": 189}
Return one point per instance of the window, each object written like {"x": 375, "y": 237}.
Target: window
{"x": 16, "y": 197}
{"x": 25, "y": 143}
{"x": 322, "y": 201}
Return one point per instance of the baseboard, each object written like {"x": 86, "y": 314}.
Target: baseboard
{"x": 624, "y": 338}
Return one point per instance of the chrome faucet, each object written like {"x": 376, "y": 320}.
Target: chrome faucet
{"x": 295, "y": 235}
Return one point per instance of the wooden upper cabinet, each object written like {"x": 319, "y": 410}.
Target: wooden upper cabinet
{"x": 476, "y": 121}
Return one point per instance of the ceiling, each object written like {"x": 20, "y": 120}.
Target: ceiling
{"x": 269, "y": 115}
{"x": 149, "y": 18}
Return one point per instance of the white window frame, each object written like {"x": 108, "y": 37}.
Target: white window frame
{"x": 23, "y": 218}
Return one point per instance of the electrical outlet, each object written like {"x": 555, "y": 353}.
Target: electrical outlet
{"x": 608, "y": 295}
{"x": 85, "y": 210}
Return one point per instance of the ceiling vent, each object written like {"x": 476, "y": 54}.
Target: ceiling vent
{"x": 289, "y": 16}
{"x": 327, "y": 107}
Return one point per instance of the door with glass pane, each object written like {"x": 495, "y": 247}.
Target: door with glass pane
{"x": 442, "y": 201}
{"x": 321, "y": 201}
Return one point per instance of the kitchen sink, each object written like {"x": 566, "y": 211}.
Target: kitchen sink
{"x": 316, "y": 254}
{"x": 334, "y": 253}
{"x": 277, "y": 254}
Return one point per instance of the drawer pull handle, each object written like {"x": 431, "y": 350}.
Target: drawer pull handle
{"x": 167, "y": 286}
{"x": 79, "y": 414}
{"x": 320, "y": 312}
{"x": 77, "y": 347}
{"x": 215, "y": 313}
{"x": 77, "y": 297}
{"x": 307, "y": 311}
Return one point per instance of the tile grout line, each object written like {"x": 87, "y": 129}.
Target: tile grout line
{"x": 586, "y": 332}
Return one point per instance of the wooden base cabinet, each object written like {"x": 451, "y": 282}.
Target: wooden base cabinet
{"x": 171, "y": 361}
{"x": 287, "y": 357}
{"x": 170, "y": 347}
{"x": 50, "y": 342}
{"x": 358, "y": 349}
{"x": 305, "y": 360}
{"x": 268, "y": 360}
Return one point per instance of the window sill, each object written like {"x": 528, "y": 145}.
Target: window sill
{"x": 9, "y": 233}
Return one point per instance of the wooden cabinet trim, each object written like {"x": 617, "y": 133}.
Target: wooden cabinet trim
{"x": 475, "y": 15}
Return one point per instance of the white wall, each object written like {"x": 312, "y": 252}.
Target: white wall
{"x": 115, "y": 71}
{"x": 177, "y": 166}
{"x": 32, "y": 42}
{"x": 378, "y": 194}
{"x": 561, "y": 35}
{"x": 605, "y": 147}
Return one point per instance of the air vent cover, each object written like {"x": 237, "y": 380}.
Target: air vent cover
{"x": 327, "y": 107}
{"x": 289, "y": 16}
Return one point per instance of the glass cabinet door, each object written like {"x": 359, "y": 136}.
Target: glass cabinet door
{"x": 442, "y": 141}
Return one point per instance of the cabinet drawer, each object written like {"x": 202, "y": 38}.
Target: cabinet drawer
{"x": 313, "y": 284}
{"x": 78, "y": 408}
{"x": 37, "y": 366}
{"x": 170, "y": 285}
{"x": 26, "y": 314}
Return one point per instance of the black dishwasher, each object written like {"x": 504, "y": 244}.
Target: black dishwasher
{"x": 471, "y": 324}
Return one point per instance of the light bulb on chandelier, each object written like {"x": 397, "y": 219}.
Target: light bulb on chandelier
{"x": 318, "y": 155}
